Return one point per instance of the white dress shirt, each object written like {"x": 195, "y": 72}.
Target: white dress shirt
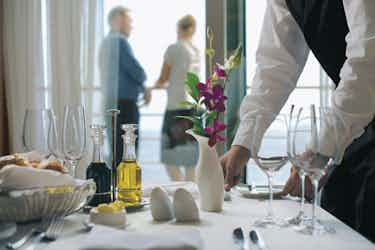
{"x": 281, "y": 56}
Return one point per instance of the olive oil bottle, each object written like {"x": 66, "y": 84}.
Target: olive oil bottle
{"x": 129, "y": 177}
{"x": 98, "y": 169}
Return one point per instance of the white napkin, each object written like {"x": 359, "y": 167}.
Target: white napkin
{"x": 172, "y": 187}
{"x": 106, "y": 238}
{"x": 16, "y": 177}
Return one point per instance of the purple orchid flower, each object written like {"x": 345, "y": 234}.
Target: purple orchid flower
{"x": 219, "y": 72}
{"x": 214, "y": 98}
{"x": 213, "y": 132}
{"x": 205, "y": 91}
{"x": 203, "y": 86}
{"x": 208, "y": 100}
{"x": 219, "y": 98}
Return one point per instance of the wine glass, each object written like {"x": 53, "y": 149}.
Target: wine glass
{"x": 269, "y": 152}
{"x": 316, "y": 148}
{"x": 300, "y": 219}
{"x": 54, "y": 138}
{"x": 36, "y": 125}
{"x": 74, "y": 135}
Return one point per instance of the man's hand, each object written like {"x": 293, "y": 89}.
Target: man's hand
{"x": 293, "y": 185}
{"x": 232, "y": 162}
{"x": 147, "y": 96}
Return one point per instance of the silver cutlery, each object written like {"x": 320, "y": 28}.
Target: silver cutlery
{"x": 33, "y": 232}
{"x": 88, "y": 225}
{"x": 238, "y": 238}
{"x": 19, "y": 243}
{"x": 257, "y": 240}
{"x": 7, "y": 230}
{"x": 48, "y": 230}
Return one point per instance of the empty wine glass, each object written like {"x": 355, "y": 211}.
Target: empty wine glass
{"x": 74, "y": 135}
{"x": 316, "y": 148}
{"x": 54, "y": 138}
{"x": 270, "y": 155}
{"x": 300, "y": 219}
{"x": 35, "y": 131}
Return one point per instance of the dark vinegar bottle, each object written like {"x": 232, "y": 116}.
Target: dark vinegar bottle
{"x": 98, "y": 169}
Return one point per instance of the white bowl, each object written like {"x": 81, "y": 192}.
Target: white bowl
{"x": 33, "y": 204}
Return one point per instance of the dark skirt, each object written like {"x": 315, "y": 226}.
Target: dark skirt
{"x": 177, "y": 147}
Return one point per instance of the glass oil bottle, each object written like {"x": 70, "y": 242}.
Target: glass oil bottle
{"x": 129, "y": 178}
{"x": 98, "y": 169}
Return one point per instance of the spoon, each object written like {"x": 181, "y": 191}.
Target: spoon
{"x": 88, "y": 225}
{"x": 238, "y": 238}
{"x": 257, "y": 240}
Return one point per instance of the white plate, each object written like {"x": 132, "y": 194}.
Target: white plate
{"x": 259, "y": 193}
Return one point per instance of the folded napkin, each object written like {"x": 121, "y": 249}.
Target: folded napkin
{"x": 106, "y": 238}
{"x": 172, "y": 187}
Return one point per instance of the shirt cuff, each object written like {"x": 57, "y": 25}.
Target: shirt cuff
{"x": 243, "y": 136}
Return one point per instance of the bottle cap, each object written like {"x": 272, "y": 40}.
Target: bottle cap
{"x": 97, "y": 133}
{"x": 129, "y": 135}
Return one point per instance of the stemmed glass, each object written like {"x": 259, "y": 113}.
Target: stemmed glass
{"x": 36, "y": 125}
{"x": 54, "y": 138}
{"x": 300, "y": 219}
{"x": 74, "y": 135}
{"x": 269, "y": 152}
{"x": 316, "y": 148}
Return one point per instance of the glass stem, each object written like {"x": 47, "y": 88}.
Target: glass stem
{"x": 315, "y": 204}
{"x": 270, "y": 189}
{"x": 302, "y": 178}
{"x": 72, "y": 167}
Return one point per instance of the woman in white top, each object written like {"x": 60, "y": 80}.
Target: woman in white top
{"x": 178, "y": 151}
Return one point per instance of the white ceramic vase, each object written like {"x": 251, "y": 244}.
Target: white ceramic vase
{"x": 209, "y": 176}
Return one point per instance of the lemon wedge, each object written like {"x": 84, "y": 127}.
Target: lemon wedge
{"x": 105, "y": 208}
{"x": 119, "y": 204}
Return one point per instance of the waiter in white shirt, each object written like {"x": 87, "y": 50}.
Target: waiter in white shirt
{"x": 341, "y": 34}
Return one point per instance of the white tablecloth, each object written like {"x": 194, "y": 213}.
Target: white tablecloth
{"x": 216, "y": 228}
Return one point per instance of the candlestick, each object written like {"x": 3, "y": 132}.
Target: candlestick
{"x": 114, "y": 113}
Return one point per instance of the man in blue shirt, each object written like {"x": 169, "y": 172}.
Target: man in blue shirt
{"x": 122, "y": 75}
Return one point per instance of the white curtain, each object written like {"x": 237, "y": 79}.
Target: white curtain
{"x": 23, "y": 63}
{"x": 74, "y": 33}
{"x": 51, "y": 58}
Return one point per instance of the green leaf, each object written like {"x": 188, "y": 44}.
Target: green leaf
{"x": 234, "y": 60}
{"x": 197, "y": 124}
{"x": 194, "y": 120}
{"x": 191, "y": 84}
{"x": 210, "y": 117}
{"x": 187, "y": 104}
{"x": 199, "y": 131}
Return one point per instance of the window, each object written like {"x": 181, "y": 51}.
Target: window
{"x": 154, "y": 30}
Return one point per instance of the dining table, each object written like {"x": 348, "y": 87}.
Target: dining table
{"x": 216, "y": 229}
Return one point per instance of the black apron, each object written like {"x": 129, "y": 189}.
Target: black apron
{"x": 350, "y": 191}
